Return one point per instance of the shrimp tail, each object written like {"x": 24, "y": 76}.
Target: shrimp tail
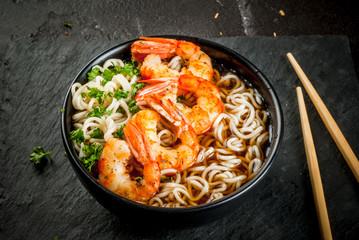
{"x": 138, "y": 143}
{"x": 140, "y": 49}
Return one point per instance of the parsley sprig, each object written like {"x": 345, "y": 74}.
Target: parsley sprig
{"x": 119, "y": 93}
{"x": 130, "y": 69}
{"x": 97, "y": 134}
{"x": 95, "y": 93}
{"x": 97, "y": 112}
{"x": 133, "y": 107}
{"x": 93, "y": 74}
{"x": 93, "y": 152}
{"x": 78, "y": 136}
{"x": 119, "y": 133}
{"x": 136, "y": 87}
{"x": 39, "y": 155}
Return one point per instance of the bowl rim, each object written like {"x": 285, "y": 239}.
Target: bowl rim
{"x": 275, "y": 145}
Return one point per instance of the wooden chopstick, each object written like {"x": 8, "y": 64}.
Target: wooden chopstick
{"x": 314, "y": 170}
{"x": 327, "y": 118}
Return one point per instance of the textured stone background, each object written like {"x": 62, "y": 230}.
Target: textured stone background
{"x": 42, "y": 205}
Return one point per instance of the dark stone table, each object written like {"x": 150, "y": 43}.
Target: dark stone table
{"x": 44, "y": 204}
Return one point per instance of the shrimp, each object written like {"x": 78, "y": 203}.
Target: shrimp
{"x": 199, "y": 63}
{"x": 181, "y": 157}
{"x": 208, "y": 106}
{"x": 114, "y": 175}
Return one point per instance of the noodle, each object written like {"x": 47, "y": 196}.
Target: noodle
{"x": 230, "y": 154}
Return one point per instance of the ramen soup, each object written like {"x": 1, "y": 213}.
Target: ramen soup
{"x": 168, "y": 128}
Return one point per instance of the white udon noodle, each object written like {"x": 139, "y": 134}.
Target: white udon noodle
{"x": 230, "y": 154}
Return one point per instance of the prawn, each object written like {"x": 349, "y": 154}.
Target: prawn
{"x": 199, "y": 63}
{"x": 114, "y": 175}
{"x": 208, "y": 105}
{"x": 181, "y": 157}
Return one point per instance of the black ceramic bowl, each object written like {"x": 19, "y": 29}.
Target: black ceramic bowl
{"x": 191, "y": 216}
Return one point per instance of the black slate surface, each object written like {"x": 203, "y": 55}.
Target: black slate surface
{"x": 44, "y": 204}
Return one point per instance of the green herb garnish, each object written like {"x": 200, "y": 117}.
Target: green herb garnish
{"x": 62, "y": 110}
{"x": 107, "y": 75}
{"x": 138, "y": 179}
{"x": 130, "y": 69}
{"x": 38, "y": 155}
{"x": 134, "y": 109}
{"x": 68, "y": 25}
{"x": 120, "y": 94}
{"x": 97, "y": 134}
{"x": 83, "y": 94}
{"x": 78, "y": 136}
{"x": 109, "y": 94}
{"x": 136, "y": 87}
{"x": 131, "y": 103}
{"x": 96, "y": 112}
{"x": 121, "y": 110}
{"x": 95, "y": 93}
{"x": 94, "y": 152}
{"x": 119, "y": 133}
{"x": 93, "y": 74}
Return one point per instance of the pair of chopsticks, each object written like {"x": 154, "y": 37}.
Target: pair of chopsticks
{"x": 336, "y": 134}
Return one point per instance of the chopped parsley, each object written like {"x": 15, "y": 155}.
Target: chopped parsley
{"x": 109, "y": 94}
{"x": 130, "y": 69}
{"x": 83, "y": 94}
{"x": 97, "y": 134}
{"x": 62, "y": 110}
{"x": 138, "y": 179}
{"x": 133, "y": 108}
{"x": 93, "y": 74}
{"x": 95, "y": 93}
{"x": 180, "y": 98}
{"x": 97, "y": 112}
{"x": 119, "y": 133}
{"x": 78, "y": 135}
{"x": 109, "y": 112}
{"x": 120, "y": 94}
{"x": 68, "y": 25}
{"x": 38, "y": 155}
{"x": 108, "y": 74}
{"x": 93, "y": 152}
{"x": 131, "y": 103}
{"x": 136, "y": 87}
{"x": 121, "y": 110}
